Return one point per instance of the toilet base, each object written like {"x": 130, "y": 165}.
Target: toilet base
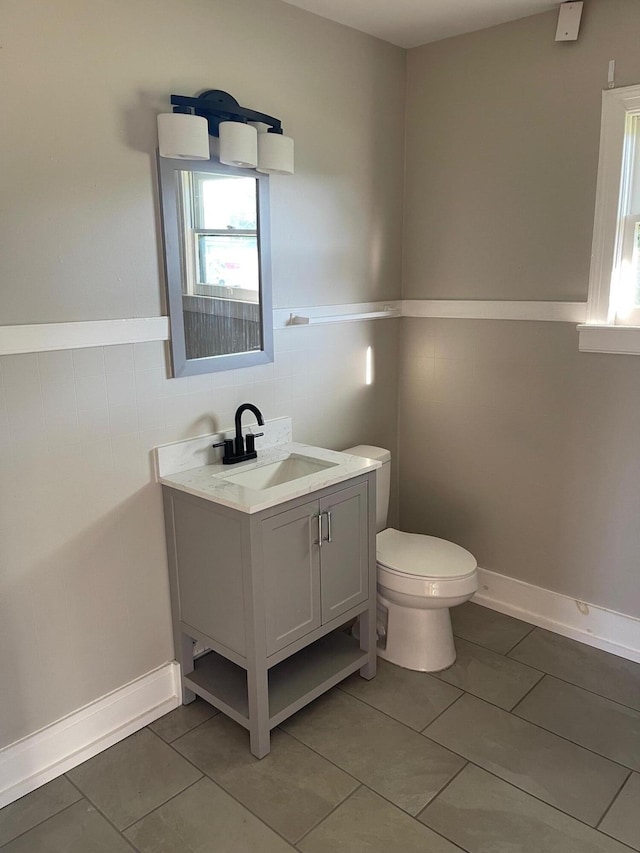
{"x": 418, "y": 639}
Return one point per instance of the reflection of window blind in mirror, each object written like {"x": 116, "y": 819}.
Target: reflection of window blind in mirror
{"x": 220, "y": 326}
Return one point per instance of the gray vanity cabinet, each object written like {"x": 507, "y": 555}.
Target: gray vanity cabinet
{"x": 315, "y": 560}
{"x": 268, "y": 595}
{"x": 291, "y": 560}
{"x": 344, "y": 554}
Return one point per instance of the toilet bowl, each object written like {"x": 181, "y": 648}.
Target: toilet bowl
{"x": 419, "y": 578}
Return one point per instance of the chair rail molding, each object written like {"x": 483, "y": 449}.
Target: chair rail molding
{"x": 488, "y": 309}
{"x": 44, "y": 337}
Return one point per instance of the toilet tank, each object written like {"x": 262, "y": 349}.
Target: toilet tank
{"x": 383, "y": 478}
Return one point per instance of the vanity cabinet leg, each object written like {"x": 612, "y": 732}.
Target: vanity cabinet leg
{"x": 260, "y": 740}
{"x": 187, "y": 645}
{"x": 259, "y": 731}
{"x": 368, "y": 642}
{"x": 369, "y": 619}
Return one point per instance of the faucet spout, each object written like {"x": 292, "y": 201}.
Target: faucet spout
{"x": 245, "y": 407}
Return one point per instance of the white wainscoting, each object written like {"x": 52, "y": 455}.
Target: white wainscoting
{"x": 605, "y": 629}
{"x": 40, "y": 757}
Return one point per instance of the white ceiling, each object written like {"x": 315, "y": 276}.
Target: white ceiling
{"x": 409, "y": 23}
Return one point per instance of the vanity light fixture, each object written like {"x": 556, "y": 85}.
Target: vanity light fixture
{"x": 248, "y": 139}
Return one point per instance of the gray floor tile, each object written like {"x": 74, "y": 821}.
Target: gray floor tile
{"x": 291, "y": 789}
{"x": 35, "y": 807}
{"x": 129, "y": 779}
{"x": 486, "y": 815}
{"x": 384, "y": 754}
{"x": 490, "y": 676}
{"x": 488, "y": 628}
{"x": 414, "y": 698}
{"x": 181, "y": 720}
{"x": 366, "y": 822}
{"x": 204, "y": 819}
{"x": 595, "y": 722}
{"x": 552, "y": 769}
{"x": 623, "y": 818}
{"x": 78, "y": 829}
{"x": 608, "y": 675}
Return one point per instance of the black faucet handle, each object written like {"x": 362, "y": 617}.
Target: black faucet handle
{"x": 250, "y": 441}
{"x": 228, "y": 447}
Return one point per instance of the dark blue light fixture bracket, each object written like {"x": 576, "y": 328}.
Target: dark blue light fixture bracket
{"x": 216, "y": 106}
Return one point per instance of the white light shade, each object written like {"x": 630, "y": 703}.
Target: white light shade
{"x": 183, "y": 137}
{"x": 238, "y": 144}
{"x": 275, "y": 154}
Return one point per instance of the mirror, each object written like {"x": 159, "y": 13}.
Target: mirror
{"x": 216, "y": 246}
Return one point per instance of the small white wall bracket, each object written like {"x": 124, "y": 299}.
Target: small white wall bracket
{"x": 611, "y": 77}
{"x": 569, "y": 21}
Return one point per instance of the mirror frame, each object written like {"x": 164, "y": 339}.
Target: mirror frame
{"x": 173, "y": 268}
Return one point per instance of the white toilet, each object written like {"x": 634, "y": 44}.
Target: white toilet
{"x": 419, "y": 579}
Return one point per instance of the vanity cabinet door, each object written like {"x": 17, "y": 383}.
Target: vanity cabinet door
{"x": 291, "y": 563}
{"x": 345, "y": 558}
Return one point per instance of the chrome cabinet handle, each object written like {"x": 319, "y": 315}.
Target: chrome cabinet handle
{"x": 328, "y": 538}
{"x": 321, "y": 538}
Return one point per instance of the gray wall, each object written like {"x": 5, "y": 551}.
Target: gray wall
{"x": 78, "y": 172}
{"x": 512, "y": 442}
{"x": 83, "y": 579}
{"x": 503, "y": 129}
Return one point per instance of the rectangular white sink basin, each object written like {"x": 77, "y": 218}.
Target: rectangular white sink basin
{"x": 277, "y": 473}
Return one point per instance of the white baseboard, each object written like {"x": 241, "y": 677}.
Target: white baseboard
{"x": 596, "y": 626}
{"x": 40, "y": 757}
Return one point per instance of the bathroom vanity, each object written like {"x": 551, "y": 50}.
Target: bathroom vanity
{"x": 267, "y": 563}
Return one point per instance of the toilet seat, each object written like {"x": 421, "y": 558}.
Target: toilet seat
{"x": 417, "y": 555}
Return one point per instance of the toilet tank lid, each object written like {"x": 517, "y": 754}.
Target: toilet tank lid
{"x": 368, "y": 451}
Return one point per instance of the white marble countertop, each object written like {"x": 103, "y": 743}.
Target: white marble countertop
{"x": 209, "y": 481}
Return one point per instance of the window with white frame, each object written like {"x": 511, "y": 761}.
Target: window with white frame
{"x": 614, "y": 286}
{"x": 220, "y": 235}
{"x": 628, "y": 298}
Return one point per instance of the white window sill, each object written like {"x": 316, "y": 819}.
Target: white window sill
{"x": 619, "y": 340}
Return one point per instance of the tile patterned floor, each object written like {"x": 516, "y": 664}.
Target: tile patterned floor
{"x": 530, "y": 743}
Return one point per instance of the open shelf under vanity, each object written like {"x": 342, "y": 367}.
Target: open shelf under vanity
{"x": 293, "y": 683}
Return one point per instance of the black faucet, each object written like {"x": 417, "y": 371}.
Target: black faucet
{"x": 235, "y": 451}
